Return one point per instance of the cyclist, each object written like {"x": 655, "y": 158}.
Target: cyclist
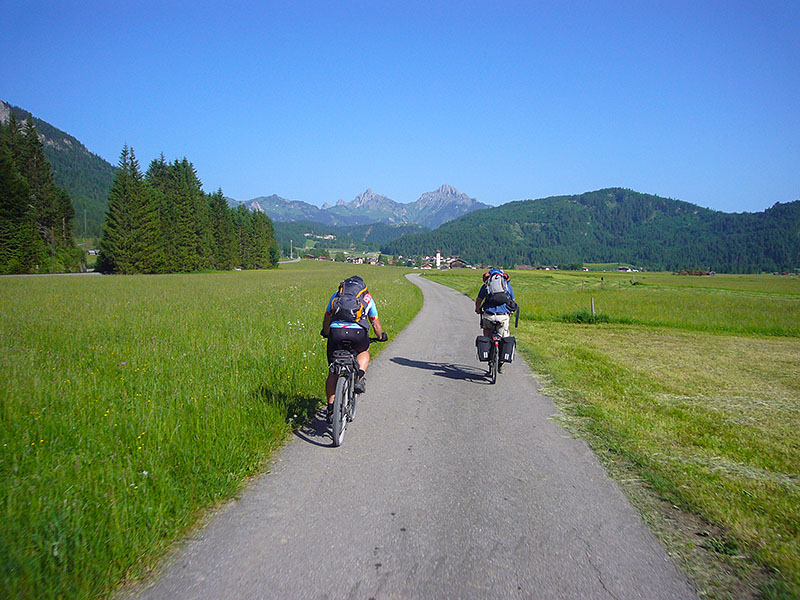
{"x": 354, "y": 328}
{"x": 493, "y": 310}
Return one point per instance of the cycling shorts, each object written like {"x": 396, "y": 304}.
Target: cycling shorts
{"x": 488, "y": 321}
{"x": 357, "y": 335}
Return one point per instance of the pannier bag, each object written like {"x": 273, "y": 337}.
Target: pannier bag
{"x": 507, "y": 349}
{"x": 483, "y": 343}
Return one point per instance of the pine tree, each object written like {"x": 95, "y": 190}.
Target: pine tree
{"x": 158, "y": 178}
{"x": 36, "y": 215}
{"x": 131, "y": 234}
{"x": 242, "y": 235}
{"x": 224, "y": 244}
{"x": 183, "y": 191}
{"x": 21, "y": 249}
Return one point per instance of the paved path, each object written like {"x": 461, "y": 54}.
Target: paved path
{"x": 446, "y": 487}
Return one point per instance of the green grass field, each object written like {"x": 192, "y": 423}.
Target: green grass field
{"x": 131, "y": 404}
{"x": 692, "y": 387}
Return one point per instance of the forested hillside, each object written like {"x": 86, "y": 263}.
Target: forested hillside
{"x": 618, "y": 225}
{"x": 83, "y": 175}
{"x": 163, "y": 222}
{"x": 356, "y": 237}
{"x": 35, "y": 214}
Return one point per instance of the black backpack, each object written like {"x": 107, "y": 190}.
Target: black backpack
{"x": 497, "y": 292}
{"x": 349, "y": 303}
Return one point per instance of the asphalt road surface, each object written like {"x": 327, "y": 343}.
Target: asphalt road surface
{"x": 445, "y": 487}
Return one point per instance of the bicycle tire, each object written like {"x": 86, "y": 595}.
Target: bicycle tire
{"x": 340, "y": 410}
{"x": 494, "y": 360}
{"x": 351, "y": 408}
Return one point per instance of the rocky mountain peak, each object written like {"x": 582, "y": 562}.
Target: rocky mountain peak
{"x": 5, "y": 112}
{"x": 445, "y": 195}
{"x": 365, "y": 198}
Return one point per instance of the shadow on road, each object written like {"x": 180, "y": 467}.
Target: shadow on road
{"x": 450, "y": 371}
{"x": 316, "y": 431}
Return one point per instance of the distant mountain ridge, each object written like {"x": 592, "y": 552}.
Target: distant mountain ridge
{"x": 618, "y": 225}
{"x": 430, "y": 210}
{"x": 610, "y": 225}
{"x": 85, "y": 176}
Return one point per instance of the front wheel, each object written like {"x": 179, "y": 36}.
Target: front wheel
{"x": 340, "y": 410}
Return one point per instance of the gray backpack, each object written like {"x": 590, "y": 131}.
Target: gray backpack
{"x": 497, "y": 292}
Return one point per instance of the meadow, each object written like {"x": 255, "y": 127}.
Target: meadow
{"x": 131, "y": 404}
{"x": 688, "y": 388}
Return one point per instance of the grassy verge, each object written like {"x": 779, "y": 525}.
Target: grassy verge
{"x": 691, "y": 390}
{"x": 130, "y": 404}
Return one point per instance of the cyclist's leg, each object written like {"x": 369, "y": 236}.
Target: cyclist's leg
{"x": 334, "y": 338}
{"x": 360, "y": 337}
{"x": 486, "y": 324}
{"x": 330, "y": 387}
{"x": 363, "y": 360}
{"x": 504, "y": 330}
{"x": 506, "y": 321}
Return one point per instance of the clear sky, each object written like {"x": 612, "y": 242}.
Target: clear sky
{"x": 316, "y": 101}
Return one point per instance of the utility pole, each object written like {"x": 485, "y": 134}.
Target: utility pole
{"x": 291, "y": 250}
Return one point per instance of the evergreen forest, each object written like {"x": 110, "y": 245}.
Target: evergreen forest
{"x": 161, "y": 221}
{"x": 85, "y": 176}
{"x": 618, "y": 226}
{"x": 36, "y": 215}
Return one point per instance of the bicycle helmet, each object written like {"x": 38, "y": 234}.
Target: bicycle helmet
{"x": 494, "y": 270}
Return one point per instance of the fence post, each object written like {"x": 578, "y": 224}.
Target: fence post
{"x": 592, "y": 305}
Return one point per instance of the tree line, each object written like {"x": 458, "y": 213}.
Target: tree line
{"x": 161, "y": 221}
{"x": 618, "y": 225}
{"x": 36, "y": 216}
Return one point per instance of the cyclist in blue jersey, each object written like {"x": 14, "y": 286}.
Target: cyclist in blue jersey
{"x": 355, "y": 329}
{"x": 492, "y": 312}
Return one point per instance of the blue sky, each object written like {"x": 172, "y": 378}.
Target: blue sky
{"x": 318, "y": 101}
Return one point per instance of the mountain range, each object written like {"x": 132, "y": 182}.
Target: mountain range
{"x": 430, "y": 210}
{"x": 87, "y": 178}
{"x": 609, "y": 225}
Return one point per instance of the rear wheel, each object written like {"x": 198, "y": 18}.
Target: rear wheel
{"x": 340, "y": 410}
{"x": 494, "y": 357}
{"x": 351, "y": 410}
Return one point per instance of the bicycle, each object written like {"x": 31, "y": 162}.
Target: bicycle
{"x": 495, "y": 344}
{"x": 345, "y": 367}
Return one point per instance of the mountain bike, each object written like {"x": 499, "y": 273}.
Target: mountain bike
{"x": 345, "y": 367}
